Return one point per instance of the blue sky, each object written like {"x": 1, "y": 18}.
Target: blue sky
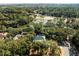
{"x": 38, "y": 1}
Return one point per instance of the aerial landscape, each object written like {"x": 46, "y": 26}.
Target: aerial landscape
{"x": 39, "y": 29}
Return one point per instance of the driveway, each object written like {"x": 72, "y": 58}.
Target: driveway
{"x": 68, "y": 49}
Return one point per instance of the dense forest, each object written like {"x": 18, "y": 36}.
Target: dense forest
{"x": 17, "y": 20}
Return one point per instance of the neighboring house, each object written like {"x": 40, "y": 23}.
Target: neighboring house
{"x": 23, "y": 33}
{"x": 31, "y": 16}
{"x": 17, "y": 36}
{"x": 39, "y": 38}
{"x": 69, "y": 20}
{"x": 3, "y": 35}
{"x": 66, "y": 20}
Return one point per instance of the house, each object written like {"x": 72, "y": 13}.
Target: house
{"x": 24, "y": 33}
{"x": 66, "y": 20}
{"x": 39, "y": 38}
{"x": 3, "y": 35}
{"x": 69, "y": 20}
{"x": 17, "y": 36}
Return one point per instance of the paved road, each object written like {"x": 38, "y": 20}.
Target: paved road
{"x": 69, "y": 49}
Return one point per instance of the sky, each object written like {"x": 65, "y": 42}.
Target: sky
{"x": 38, "y": 1}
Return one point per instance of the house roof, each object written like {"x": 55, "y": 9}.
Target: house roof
{"x": 39, "y": 37}
{"x": 17, "y": 36}
{"x": 1, "y": 35}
